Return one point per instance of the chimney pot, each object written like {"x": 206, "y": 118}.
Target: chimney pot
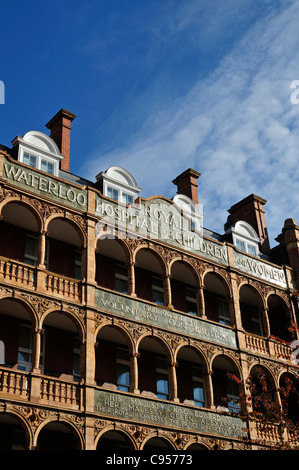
{"x": 186, "y": 184}
{"x": 60, "y": 127}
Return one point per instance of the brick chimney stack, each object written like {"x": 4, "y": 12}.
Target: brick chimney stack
{"x": 251, "y": 210}
{"x": 60, "y": 127}
{"x": 186, "y": 184}
{"x": 289, "y": 239}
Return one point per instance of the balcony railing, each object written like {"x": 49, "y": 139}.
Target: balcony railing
{"x": 268, "y": 346}
{"x": 18, "y": 273}
{"x": 64, "y": 286}
{"x": 57, "y": 391}
{"x": 14, "y": 383}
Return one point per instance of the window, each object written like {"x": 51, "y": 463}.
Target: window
{"x": 126, "y": 199}
{"x": 121, "y": 278}
{"x": 251, "y": 250}
{"x": 30, "y": 256}
{"x": 122, "y": 370}
{"x": 191, "y": 300}
{"x": 25, "y": 349}
{"x": 240, "y": 245}
{"x": 162, "y": 379}
{"x": 47, "y": 167}
{"x": 78, "y": 256}
{"x": 76, "y": 359}
{"x": 256, "y": 322}
{"x": 198, "y": 386}
{"x": 29, "y": 160}
{"x": 232, "y": 392}
{"x": 43, "y": 164}
{"x": 157, "y": 290}
{"x": 112, "y": 193}
{"x": 224, "y": 317}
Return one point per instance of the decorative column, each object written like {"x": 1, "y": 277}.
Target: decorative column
{"x": 209, "y": 388}
{"x": 36, "y": 349}
{"x": 131, "y": 278}
{"x": 201, "y": 301}
{"x": 173, "y": 387}
{"x": 167, "y": 291}
{"x": 134, "y": 373}
{"x": 265, "y": 321}
{"x": 41, "y": 249}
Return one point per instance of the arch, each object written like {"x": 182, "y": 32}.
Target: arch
{"x": 27, "y": 205}
{"x": 191, "y": 374}
{"x": 254, "y": 290}
{"x": 62, "y": 421}
{"x": 42, "y": 141}
{"x": 151, "y": 250}
{"x": 289, "y": 383}
{"x": 197, "y": 350}
{"x": 120, "y": 328}
{"x": 195, "y": 445}
{"x": 119, "y": 434}
{"x": 30, "y": 309}
{"x": 221, "y": 278}
{"x": 226, "y": 390}
{"x": 158, "y": 339}
{"x": 154, "y": 370}
{"x": 22, "y": 422}
{"x": 158, "y": 442}
{"x": 63, "y": 311}
{"x": 269, "y": 374}
{"x": 60, "y": 233}
{"x": 122, "y": 176}
{"x": 279, "y": 316}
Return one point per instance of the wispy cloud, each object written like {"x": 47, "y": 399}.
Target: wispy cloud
{"x": 237, "y": 126}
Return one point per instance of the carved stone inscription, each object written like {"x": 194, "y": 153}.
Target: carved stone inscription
{"x": 166, "y": 414}
{"x": 260, "y": 269}
{"x": 161, "y": 317}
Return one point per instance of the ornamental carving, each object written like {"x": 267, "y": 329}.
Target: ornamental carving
{"x": 40, "y": 304}
{"x": 34, "y": 416}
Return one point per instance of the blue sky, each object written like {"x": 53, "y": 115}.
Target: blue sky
{"x": 159, "y": 86}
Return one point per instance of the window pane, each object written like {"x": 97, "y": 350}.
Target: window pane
{"x": 121, "y": 286}
{"x": 198, "y": 394}
{"x": 240, "y": 245}
{"x": 127, "y": 198}
{"x": 29, "y": 160}
{"x": 112, "y": 193}
{"x": 251, "y": 249}
{"x": 25, "y": 338}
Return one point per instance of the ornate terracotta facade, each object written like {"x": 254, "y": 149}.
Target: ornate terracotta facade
{"x": 45, "y": 399}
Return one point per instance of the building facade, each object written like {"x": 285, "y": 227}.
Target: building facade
{"x": 122, "y": 318}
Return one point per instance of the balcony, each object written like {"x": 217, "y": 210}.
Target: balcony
{"x": 51, "y": 391}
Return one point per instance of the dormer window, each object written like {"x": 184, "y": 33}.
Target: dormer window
{"x": 39, "y": 151}
{"x": 118, "y": 184}
{"x": 245, "y": 238}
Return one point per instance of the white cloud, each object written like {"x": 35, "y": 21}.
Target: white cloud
{"x": 237, "y": 127}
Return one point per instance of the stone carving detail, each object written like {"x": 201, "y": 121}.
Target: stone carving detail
{"x": 40, "y": 304}
{"x": 34, "y": 416}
